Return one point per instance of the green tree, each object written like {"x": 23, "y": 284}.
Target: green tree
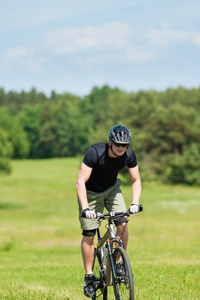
{"x": 6, "y": 150}
{"x": 165, "y": 126}
{"x": 186, "y": 167}
{"x": 107, "y": 109}
{"x": 59, "y": 133}
{"x": 66, "y": 122}
{"x": 15, "y": 133}
{"x": 30, "y": 119}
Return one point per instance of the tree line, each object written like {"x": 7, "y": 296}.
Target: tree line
{"x": 165, "y": 127}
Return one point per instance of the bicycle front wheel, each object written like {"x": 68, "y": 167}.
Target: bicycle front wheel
{"x": 124, "y": 288}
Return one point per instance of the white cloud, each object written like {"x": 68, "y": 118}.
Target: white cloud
{"x": 165, "y": 35}
{"x": 16, "y": 53}
{"x": 110, "y": 42}
{"x": 196, "y": 38}
{"x": 66, "y": 41}
{"x": 135, "y": 55}
{"x": 88, "y": 46}
{"x": 22, "y": 57}
{"x": 96, "y": 45}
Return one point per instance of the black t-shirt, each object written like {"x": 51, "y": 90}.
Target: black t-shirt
{"x": 105, "y": 168}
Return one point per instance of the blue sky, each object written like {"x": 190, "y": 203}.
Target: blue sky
{"x": 72, "y": 46}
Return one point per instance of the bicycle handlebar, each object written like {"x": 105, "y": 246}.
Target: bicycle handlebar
{"x": 112, "y": 215}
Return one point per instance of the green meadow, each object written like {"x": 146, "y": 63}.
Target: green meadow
{"x": 40, "y": 236}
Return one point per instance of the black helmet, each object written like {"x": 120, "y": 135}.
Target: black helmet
{"x": 120, "y": 134}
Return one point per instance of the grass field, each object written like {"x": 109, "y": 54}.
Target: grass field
{"x": 40, "y": 236}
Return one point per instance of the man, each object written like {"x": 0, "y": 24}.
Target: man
{"x": 98, "y": 187}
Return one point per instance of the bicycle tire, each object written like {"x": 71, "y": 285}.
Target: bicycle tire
{"x": 124, "y": 289}
{"x": 101, "y": 289}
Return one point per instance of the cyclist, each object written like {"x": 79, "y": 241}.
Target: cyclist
{"x": 98, "y": 187}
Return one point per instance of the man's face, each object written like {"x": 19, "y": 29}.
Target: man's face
{"x": 119, "y": 149}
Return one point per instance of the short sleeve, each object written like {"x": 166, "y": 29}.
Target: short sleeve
{"x": 91, "y": 157}
{"x": 132, "y": 159}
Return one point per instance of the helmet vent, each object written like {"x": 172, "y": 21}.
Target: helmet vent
{"x": 120, "y": 134}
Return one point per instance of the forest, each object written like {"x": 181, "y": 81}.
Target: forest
{"x": 165, "y": 126}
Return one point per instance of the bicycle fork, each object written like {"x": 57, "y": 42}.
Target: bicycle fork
{"x": 110, "y": 263}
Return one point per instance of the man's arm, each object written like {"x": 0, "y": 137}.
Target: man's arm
{"x": 83, "y": 176}
{"x": 136, "y": 184}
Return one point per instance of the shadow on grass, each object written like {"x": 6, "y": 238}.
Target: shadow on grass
{"x": 8, "y": 206}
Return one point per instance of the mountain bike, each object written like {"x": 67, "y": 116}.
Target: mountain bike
{"x": 112, "y": 271}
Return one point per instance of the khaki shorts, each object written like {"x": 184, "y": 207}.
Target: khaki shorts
{"x": 112, "y": 199}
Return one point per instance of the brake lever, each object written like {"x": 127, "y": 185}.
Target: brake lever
{"x": 99, "y": 216}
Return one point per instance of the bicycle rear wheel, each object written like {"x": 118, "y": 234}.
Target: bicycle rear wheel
{"x": 101, "y": 289}
{"x": 124, "y": 288}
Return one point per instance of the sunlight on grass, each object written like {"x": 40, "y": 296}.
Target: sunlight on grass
{"x": 40, "y": 255}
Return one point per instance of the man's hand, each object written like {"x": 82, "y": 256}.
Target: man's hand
{"x": 89, "y": 214}
{"x": 134, "y": 208}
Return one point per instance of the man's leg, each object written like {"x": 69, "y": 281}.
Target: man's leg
{"x": 87, "y": 249}
{"x": 96, "y": 203}
{"x": 122, "y": 233}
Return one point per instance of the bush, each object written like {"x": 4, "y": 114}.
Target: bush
{"x": 6, "y": 151}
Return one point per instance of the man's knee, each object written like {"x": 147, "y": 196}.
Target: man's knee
{"x": 89, "y": 240}
{"x": 121, "y": 221}
{"x": 122, "y": 228}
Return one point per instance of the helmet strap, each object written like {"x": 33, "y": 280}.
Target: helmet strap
{"x": 112, "y": 150}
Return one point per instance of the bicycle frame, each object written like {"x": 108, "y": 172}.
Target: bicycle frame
{"x": 109, "y": 238}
